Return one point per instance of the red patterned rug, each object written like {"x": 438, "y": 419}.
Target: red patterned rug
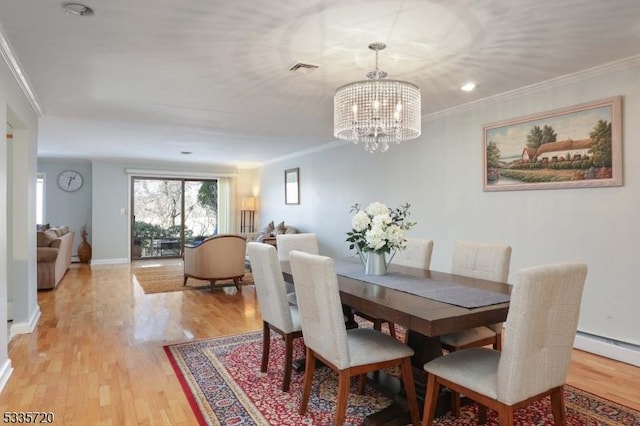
{"x": 222, "y": 380}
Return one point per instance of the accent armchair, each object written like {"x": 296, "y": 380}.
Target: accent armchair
{"x": 221, "y": 257}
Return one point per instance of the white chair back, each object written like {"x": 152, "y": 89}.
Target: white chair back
{"x": 270, "y": 286}
{"x": 306, "y": 242}
{"x": 541, "y": 327}
{"x": 417, "y": 254}
{"x": 320, "y": 308}
{"x": 481, "y": 260}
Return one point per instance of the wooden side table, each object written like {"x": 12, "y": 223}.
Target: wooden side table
{"x": 271, "y": 241}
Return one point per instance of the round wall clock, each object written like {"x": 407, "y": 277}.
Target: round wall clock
{"x": 70, "y": 180}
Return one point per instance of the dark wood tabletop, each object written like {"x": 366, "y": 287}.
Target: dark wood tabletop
{"x": 426, "y": 316}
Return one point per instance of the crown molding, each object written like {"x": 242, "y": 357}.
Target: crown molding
{"x": 16, "y": 69}
{"x": 615, "y": 66}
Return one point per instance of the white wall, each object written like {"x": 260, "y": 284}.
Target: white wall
{"x": 68, "y": 208}
{"x": 17, "y": 216}
{"x": 111, "y": 193}
{"x": 440, "y": 174}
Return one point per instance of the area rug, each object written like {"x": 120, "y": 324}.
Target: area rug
{"x": 222, "y": 380}
{"x": 163, "y": 278}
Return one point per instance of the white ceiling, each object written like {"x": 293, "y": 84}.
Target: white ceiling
{"x": 146, "y": 79}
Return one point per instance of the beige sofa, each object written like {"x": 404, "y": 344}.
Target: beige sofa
{"x": 268, "y": 234}
{"x": 54, "y": 255}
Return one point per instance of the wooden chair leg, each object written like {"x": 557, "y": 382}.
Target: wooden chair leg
{"x": 213, "y": 283}
{"x": 482, "y": 414}
{"x": 266, "y": 344}
{"x": 410, "y": 390}
{"x": 344, "y": 380}
{"x": 288, "y": 362}
{"x": 497, "y": 345}
{"x": 505, "y": 415}
{"x": 377, "y": 324}
{"x": 392, "y": 329}
{"x": 362, "y": 381}
{"x": 557, "y": 406}
{"x": 185, "y": 280}
{"x": 236, "y": 281}
{"x": 430, "y": 400}
{"x": 309, "y": 368}
{"x": 455, "y": 404}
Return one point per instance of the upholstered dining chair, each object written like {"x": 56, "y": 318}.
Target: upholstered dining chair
{"x": 541, "y": 323}
{"x": 488, "y": 262}
{"x": 277, "y": 314}
{"x": 485, "y": 261}
{"x": 417, "y": 254}
{"x": 353, "y": 352}
{"x": 220, "y": 257}
{"x": 306, "y": 242}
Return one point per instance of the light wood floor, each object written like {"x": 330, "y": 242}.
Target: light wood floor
{"x": 96, "y": 356}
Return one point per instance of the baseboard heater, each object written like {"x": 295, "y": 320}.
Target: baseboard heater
{"x": 609, "y": 348}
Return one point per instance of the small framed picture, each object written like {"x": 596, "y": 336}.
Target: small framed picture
{"x": 292, "y": 186}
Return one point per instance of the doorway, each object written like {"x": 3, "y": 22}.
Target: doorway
{"x": 168, "y": 213}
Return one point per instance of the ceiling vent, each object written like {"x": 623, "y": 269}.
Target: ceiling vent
{"x": 303, "y": 67}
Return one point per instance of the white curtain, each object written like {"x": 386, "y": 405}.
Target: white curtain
{"x": 224, "y": 206}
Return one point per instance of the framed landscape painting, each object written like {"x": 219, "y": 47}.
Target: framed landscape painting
{"x": 574, "y": 147}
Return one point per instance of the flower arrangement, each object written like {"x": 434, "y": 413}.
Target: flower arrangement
{"x": 378, "y": 228}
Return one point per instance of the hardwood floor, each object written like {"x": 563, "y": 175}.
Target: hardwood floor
{"x": 96, "y": 355}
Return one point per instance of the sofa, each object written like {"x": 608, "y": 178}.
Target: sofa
{"x": 268, "y": 233}
{"x": 54, "y": 247}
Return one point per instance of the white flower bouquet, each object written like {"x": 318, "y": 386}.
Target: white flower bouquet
{"x": 378, "y": 228}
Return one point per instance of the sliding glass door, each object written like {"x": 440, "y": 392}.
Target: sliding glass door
{"x": 169, "y": 212}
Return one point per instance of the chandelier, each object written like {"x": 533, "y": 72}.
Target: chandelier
{"x": 377, "y": 111}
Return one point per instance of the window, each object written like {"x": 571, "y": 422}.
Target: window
{"x": 40, "y": 199}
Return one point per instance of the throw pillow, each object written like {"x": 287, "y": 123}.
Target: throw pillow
{"x": 280, "y": 229}
{"x": 268, "y": 230}
{"x": 45, "y": 238}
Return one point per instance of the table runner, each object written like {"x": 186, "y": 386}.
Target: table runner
{"x": 441, "y": 291}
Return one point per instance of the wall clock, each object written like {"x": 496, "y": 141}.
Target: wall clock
{"x": 70, "y": 180}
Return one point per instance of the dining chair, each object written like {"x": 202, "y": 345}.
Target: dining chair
{"x": 417, "y": 254}
{"x": 306, "y": 242}
{"x": 277, "y": 314}
{"x": 349, "y": 353}
{"x": 541, "y": 323}
{"x": 485, "y": 261}
{"x": 488, "y": 262}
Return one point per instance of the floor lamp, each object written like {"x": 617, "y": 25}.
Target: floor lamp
{"x": 247, "y": 212}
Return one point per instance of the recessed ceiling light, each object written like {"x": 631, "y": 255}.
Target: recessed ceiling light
{"x": 77, "y": 9}
{"x": 468, "y": 87}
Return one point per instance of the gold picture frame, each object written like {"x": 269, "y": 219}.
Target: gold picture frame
{"x": 292, "y": 186}
{"x": 574, "y": 147}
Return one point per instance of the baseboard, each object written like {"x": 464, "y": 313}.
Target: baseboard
{"x": 608, "y": 348}
{"x": 25, "y": 327}
{"x": 109, "y": 261}
{"x": 5, "y": 373}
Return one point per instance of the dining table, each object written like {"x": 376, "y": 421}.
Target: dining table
{"x": 428, "y": 304}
